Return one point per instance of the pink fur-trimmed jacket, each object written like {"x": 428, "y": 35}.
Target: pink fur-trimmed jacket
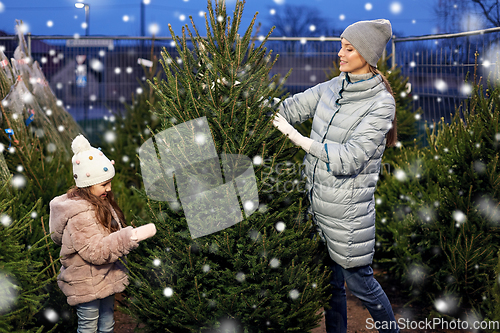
{"x": 89, "y": 255}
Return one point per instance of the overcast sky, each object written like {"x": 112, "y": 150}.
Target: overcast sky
{"x": 122, "y": 17}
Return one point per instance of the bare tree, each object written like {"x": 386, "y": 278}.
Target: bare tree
{"x": 459, "y": 15}
{"x": 299, "y": 21}
{"x": 490, "y": 9}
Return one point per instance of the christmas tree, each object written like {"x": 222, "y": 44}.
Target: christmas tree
{"x": 438, "y": 210}
{"x": 35, "y": 167}
{"x": 263, "y": 273}
{"x": 22, "y": 278}
{"x": 126, "y": 131}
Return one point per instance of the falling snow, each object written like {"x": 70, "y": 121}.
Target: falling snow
{"x": 51, "y": 315}
{"x": 5, "y": 219}
{"x": 168, "y": 292}
{"x": 200, "y": 139}
{"x": 18, "y": 181}
{"x": 400, "y": 175}
{"x": 294, "y": 294}
{"x": 257, "y": 160}
{"x": 396, "y": 8}
{"x": 441, "y": 85}
{"x": 466, "y": 89}
{"x": 240, "y": 277}
{"x": 110, "y": 136}
{"x": 154, "y": 28}
{"x": 248, "y": 206}
{"x": 459, "y": 216}
{"x": 274, "y": 263}
{"x": 280, "y": 226}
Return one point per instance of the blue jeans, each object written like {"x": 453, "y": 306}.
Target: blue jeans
{"x": 96, "y": 316}
{"x": 363, "y": 285}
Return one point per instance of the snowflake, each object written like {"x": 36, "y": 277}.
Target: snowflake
{"x": 168, "y": 292}
{"x": 274, "y": 263}
{"x": 257, "y": 160}
{"x": 400, "y": 175}
{"x": 6, "y": 220}
{"x": 96, "y": 64}
{"x": 51, "y": 315}
{"x": 396, "y": 7}
{"x": 18, "y": 181}
{"x": 248, "y": 206}
{"x": 110, "y": 136}
{"x": 466, "y": 89}
{"x": 294, "y": 294}
{"x": 154, "y": 28}
{"x": 240, "y": 277}
{"x": 280, "y": 226}
{"x": 441, "y": 85}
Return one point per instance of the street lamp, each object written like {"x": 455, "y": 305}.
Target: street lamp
{"x": 87, "y": 9}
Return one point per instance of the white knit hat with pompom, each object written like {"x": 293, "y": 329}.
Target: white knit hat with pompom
{"x": 90, "y": 165}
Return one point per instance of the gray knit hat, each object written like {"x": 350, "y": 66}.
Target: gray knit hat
{"x": 369, "y": 38}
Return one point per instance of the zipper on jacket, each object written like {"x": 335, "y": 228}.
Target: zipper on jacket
{"x": 323, "y": 141}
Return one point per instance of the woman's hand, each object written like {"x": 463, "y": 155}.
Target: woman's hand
{"x": 284, "y": 127}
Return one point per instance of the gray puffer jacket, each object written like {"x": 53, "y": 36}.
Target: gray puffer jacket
{"x": 350, "y": 123}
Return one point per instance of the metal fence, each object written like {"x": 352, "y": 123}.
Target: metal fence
{"x": 438, "y": 66}
{"x": 95, "y": 76}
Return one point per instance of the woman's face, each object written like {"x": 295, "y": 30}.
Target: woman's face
{"x": 351, "y": 61}
{"x": 101, "y": 190}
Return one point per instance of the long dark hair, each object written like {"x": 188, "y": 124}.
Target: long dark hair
{"x": 102, "y": 207}
{"x": 392, "y": 135}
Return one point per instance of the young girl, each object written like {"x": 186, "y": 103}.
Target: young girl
{"x": 89, "y": 225}
{"x": 353, "y": 121}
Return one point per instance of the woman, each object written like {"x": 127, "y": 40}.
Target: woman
{"x": 353, "y": 121}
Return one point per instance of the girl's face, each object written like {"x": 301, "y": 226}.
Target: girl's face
{"x": 101, "y": 190}
{"x": 351, "y": 61}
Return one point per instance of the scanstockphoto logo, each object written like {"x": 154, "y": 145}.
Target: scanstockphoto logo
{"x": 187, "y": 152}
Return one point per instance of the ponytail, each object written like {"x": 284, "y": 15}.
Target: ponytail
{"x": 391, "y": 136}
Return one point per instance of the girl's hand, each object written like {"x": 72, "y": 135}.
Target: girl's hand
{"x": 143, "y": 232}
